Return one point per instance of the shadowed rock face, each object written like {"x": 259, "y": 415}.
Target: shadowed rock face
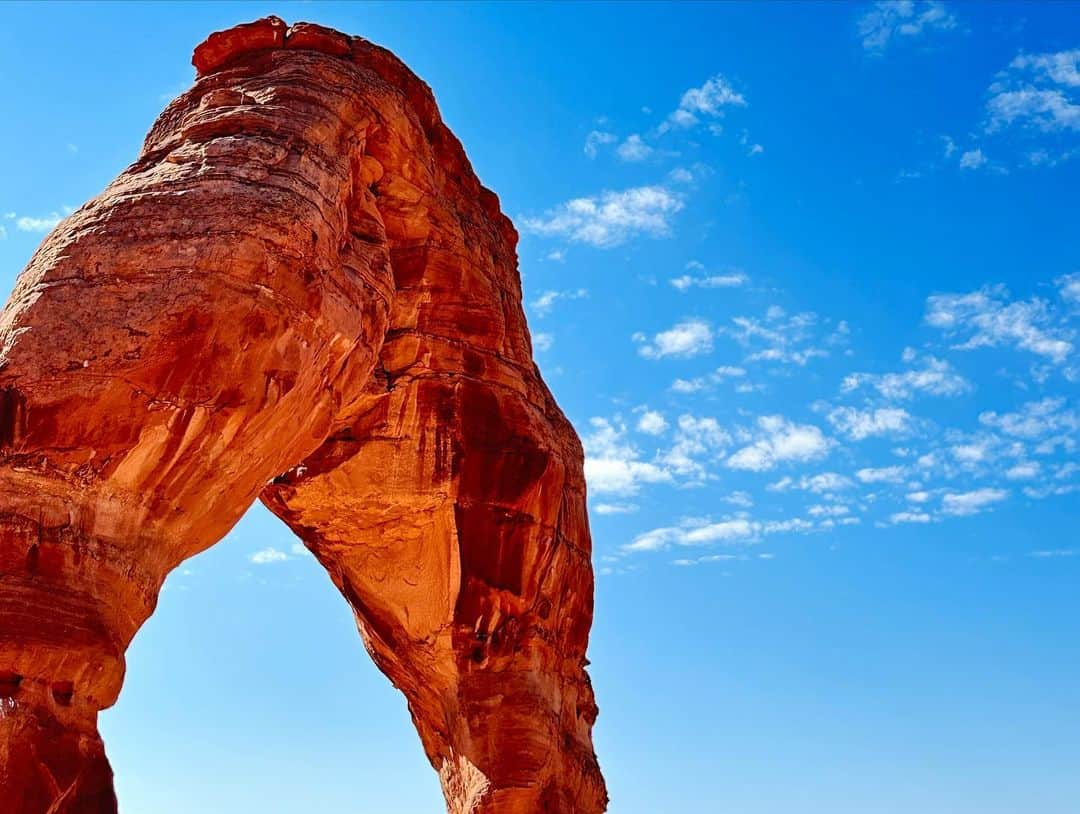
{"x": 300, "y": 293}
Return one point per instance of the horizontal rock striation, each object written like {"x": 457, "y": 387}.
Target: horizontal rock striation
{"x": 299, "y": 292}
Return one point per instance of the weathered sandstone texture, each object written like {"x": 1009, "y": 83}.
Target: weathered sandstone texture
{"x": 301, "y": 293}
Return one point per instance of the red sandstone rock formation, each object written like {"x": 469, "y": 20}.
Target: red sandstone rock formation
{"x": 299, "y": 292}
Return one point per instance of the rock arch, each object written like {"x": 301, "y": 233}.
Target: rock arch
{"x": 299, "y": 293}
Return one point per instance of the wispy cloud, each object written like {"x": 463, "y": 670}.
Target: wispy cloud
{"x": 543, "y": 341}
{"x": 615, "y": 508}
{"x": 1041, "y": 91}
{"x": 709, "y": 101}
{"x": 268, "y": 556}
{"x": 543, "y": 304}
{"x": 696, "y": 533}
{"x": 699, "y": 278}
{"x": 40, "y": 225}
{"x": 1069, "y": 288}
{"x": 613, "y": 465}
{"x": 1035, "y": 419}
{"x": 965, "y": 503}
{"x": 596, "y": 139}
{"x": 931, "y": 375}
{"x": 610, "y": 218}
{"x": 972, "y": 159}
{"x": 778, "y": 440}
{"x": 989, "y": 318}
{"x": 892, "y": 20}
{"x": 691, "y": 337}
{"x": 884, "y": 474}
{"x": 823, "y": 483}
{"x": 652, "y": 422}
{"x": 633, "y": 149}
{"x": 783, "y": 339}
{"x": 909, "y": 517}
{"x": 861, "y": 424}
{"x": 695, "y": 437}
{"x": 699, "y": 383}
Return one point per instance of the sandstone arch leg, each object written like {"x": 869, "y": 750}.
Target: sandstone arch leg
{"x": 171, "y": 347}
{"x": 451, "y": 516}
{"x": 451, "y": 511}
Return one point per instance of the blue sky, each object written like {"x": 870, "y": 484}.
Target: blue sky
{"x": 807, "y": 280}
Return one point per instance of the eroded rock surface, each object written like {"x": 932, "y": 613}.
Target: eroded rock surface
{"x": 301, "y": 293}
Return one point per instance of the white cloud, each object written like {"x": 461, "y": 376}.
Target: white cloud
{"x": 786, "y": 340}
{"x": 1062, "y": 68}
{"x": 1047, "y": 491}
{"x": 795, "y": 524}
{"x": 1037, "y": 90}
{"x": 1034, "y": 420}
{"x": 1041, "y": 108}
{"x": 860, "y": 424}
{"x": 596, "y": 139}
{"x": 684, "y": 562}
{"x": 780, "y": 440}
{"x": 615, "y": 508}
{"x": 909, "y": 517}
{"x": 40, "y": 225}
{"x": 694, "y": 438}
{"x": 934, "y": 376}
{"x": 742, "y": 499}
{"x": 681, "y": 175}
{"x": 1025, "y": 470}
{"x": 710, "y": 100}
{"x": 543, "y": 341}
{"x": 731, "y": 278}
{"x": 971, "y": 454}
{"x": 885, "y": 474}
{"x": 823, "y": 483}
{"x": 610, "y": 218}
{"x": 613, "y": 465}
{"x": 965, "y": 503}
{"x": 972, "y": 159}
{"x": 633, "y": 149}
{"x": 543, "y": 304}
{"x": 1069, "y": 287}
{"x": 688, "y": 385}
{"x": 699, "y": 383}
{"x": 987, "y": 318}
{"x": 652, "y": 423}
{"x": 268, "y": 556}
{"x": 691, "y": 337}
{"x": 889, "y": 20}
{"x": 729, "y": 371}
{"x": 738, "y": 530}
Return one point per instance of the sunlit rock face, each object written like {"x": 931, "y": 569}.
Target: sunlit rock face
{"x": 301, "y": 293}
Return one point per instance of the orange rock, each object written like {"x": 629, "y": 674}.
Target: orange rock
{"x": 221, "y": 46}
{"x": 299, "y": 292}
